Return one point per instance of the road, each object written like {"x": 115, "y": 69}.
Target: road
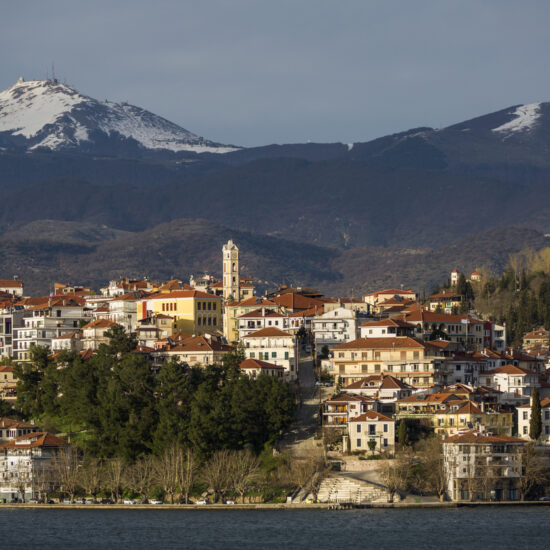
{"x": 299, "y": 439}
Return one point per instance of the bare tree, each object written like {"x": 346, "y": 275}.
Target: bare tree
{"x": 90, "y": 476}
{"x": 114, "y": 476}
{"x": 307, "y": 474}
{"x": 139, "y": 477}
{"x": 66, "y": 467}
{"x": 433, "y": 476}
{"x": 533, "y": 471}
{"x": 244, "y": 471}
{"x": 216, "y": 472}
{"x": 187, "y": 473}
{"x": 43, "y": 479}
{"x": 167, "y": 468}
{"x": 397, "y": 473}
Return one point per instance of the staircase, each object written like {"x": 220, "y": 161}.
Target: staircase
{"x": 342, "y": 489}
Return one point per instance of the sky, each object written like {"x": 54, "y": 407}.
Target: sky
{"x": 254, "y": 72}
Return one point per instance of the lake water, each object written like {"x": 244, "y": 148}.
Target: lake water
{"x": 468, "y": 528}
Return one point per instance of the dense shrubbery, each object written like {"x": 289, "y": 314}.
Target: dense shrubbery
{"x": 113, "y": 405}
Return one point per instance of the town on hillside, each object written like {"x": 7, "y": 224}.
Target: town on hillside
{"x": 345, "y": 400}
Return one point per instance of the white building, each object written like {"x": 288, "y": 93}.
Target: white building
{"x": 43, "y": 323}
{"x": 261, "y": 318}
{"x": 386, "y": 328}
{"x": 94, "y": 333}
{"x": 255, "y": 367}
{"x": 231, "y": 278}
{"x": 27, "y": 466}
{"x": 517, "y": 384}
{"x": 483, "y": 467}
{"x": 337, "y": 326}
{"x": 275, "y": 346}
{"x": 13, "y": 287}
{"x": 372, "y": 428}
{"x": 524, "y": 420}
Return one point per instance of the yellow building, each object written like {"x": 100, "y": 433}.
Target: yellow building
{"x": 195, "y": 312}
{"x": 468, "y": 415}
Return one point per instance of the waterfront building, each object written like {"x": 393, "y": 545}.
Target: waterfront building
{"x": 483, "y": 466}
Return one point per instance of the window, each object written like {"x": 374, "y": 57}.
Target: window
{"x": 364, "y": 368}
{"x": 341, "y": 355}
{"x": 525, "y": 415}
{"x": 286, "y": 354}
{"x": 273, "y": 354}
{"x": 403, "y": 355}
{"x": 416, "y": 355}
{"x": 372, "y": 429}
{"x": 546, "y": 414}
{"x": 252, "y": 354}
{"x": 199, "y": 305}
{"x": 385, "y": 428}
{"x": 358, "y": 428}
{"x": 385, "y": 442}
{"x": 376, "y": 368}
{"x": 524, "y": 430}
{"x": 358, "y": 443}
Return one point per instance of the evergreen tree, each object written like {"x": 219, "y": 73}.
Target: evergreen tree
{"x": 535, "y": 424}
{"x": 403, "y": 434}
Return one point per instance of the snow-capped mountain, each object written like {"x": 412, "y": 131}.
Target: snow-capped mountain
{"x": 45, "y": 114}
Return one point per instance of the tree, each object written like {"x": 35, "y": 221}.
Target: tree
{"x": 90, "y": 476}
{"x": 66, "y": 466}
{"x": 114, "y": 475}
{"x": 533, "y": 471}
{"x": 432, "y": 466}
{"x": 243, "y": 471}
{"x": 167, "y": 469}
{"x": 372, "y": 445}
{"x": 217, "y": 474}
{"x": 403, "y": 434}
{"x": 187, "y": 473}
{"x": 397, "y": 473}
{"x": 535, "y": 423}
{"x": 140, "y": 475}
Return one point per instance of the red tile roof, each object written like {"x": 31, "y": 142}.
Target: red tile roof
{"x": 371, "y": 415}
{"x": 382, "y": 343}
{"x": 268, "y": 331}
{"x": 36, "y": 439}
{"x": 183, "y": 294}
{"x": 261, "y": 313}
{"x": 391, "y": 322}
{"x": 257, "y": 364}
{"x": 508, "y": 369}
{"x": 474, "y": 436}
{"x": 10, "y": 283}
{"x": 100, "y": 323}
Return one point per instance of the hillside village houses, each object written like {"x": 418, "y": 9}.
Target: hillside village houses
{"x": 390, "y": 357}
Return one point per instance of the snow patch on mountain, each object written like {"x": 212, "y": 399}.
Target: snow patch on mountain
{"x": 29, "y": 106}
{"x": 525, "y": 118}
{"x": 55, "y": 116}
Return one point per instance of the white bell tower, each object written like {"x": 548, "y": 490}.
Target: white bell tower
{"x": 231, "y": 280}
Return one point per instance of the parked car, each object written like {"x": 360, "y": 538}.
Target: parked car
{"x": 89, "y": 501}
{"x": 128, "y": 501}
{"x": 67, "y": 501}
{"x": 34, "y": 501}
{"x": 155, "y": 501}
{"x": 229, "y": 502}
{"x": 106, "y": 501}
{"x": 201, "y": 501}
{"x": 543, "y": 499}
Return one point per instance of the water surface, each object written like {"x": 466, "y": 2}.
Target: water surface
{"x": 468, "y": 528}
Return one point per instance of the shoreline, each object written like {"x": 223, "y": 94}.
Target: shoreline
{"x": 281, "y": 506}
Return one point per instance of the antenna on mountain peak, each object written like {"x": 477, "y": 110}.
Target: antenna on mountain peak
{"x": 54, "y": 80}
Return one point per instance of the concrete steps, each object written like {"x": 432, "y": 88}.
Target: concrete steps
{"x": 342, "y": 489}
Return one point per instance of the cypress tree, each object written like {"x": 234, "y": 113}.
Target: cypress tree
{"x": 402, "y": 434}
{"x": 535, "y": 424}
